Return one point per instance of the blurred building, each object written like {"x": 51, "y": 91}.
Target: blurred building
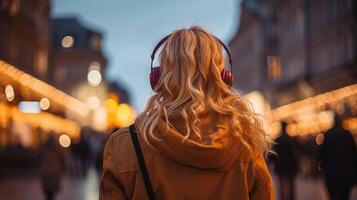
{"x": 30, "y": 108}
{"x": 78, "y": 67}
{"x": 24, "y": 35}
{"x": 123, "y": 93}
{"x": 296, "y": 59}
{"x": 76, "y": 51}
{"x": 51, "y": 83}
{"x": 293, "y": 49}
{"x": 332, "y": 43}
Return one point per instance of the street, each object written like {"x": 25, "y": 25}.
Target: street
{"x": 29, "y": 187}
{"x": 235, "y": 83}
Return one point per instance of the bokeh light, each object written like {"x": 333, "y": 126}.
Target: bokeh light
{"x": 45, "y": 104}
{"x": 124, "y": 115}
{"x": 93, "y": 102}
{"x": 9, "y": 92}
{"x": 67, "y": 41}
{"x": 94, "y": 77}
{"x": 319, "y": 139}
{"x": 100, "y": 121}
{"x": 64, "y": 140}
{"x": 110, "y": 105}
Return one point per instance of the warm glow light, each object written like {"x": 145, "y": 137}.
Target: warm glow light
{"x": 311, "y": 123}
{"x": 64, "y": 140}
{"x": 114, "y": 96}
{"x": 9, "y": 92}
{"x": 95, "y": 65}
{"x": 93, "y": 102}
{"x": 274, "y": 67}
{"x": 94, "y": 77}
{"x": 67, "y": 41}
{"x": 351, "y": 125}
{"x": 291, "y": 130}
{"x": 273, "y": 129}
{"x": 124, "y": 115}
{"x": 63, "y": 101}
{"x": 45, "y": 121}
{"x": 100, "y": 121}
{"x": 110, "y": 105}
{"x": 45, "y": 103}
{"x": 258, "y": 102}
{"x": 319, "y": 139}
{"x": 317, "y": 102}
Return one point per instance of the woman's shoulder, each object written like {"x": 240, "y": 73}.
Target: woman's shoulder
{"x": 118, "y": 139}
{"x": 118, "y": 134}
{"x": 119, "y": 150}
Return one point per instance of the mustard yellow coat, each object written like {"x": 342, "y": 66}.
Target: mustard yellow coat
{"x": 218, "y": 166}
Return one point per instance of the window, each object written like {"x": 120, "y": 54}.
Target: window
{"x": 274, "y": 67}
{"x": 95, "y": 42}
{"x": 41, "y": 62}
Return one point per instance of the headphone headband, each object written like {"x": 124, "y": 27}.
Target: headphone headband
{"x": 163, "y": 40}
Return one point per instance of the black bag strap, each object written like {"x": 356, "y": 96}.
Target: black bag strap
{"x": 140, "y": 156}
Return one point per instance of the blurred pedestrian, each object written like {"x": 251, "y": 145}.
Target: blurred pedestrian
{"x": 52, "y": 167}
{"x": 81, "y": 155}
{"x": 339, "y": 161}
{"x": 199, "y": 137}
{"x": 286, "y": 163}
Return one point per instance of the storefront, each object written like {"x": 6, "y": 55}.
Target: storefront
{"x": 57, "y": 112}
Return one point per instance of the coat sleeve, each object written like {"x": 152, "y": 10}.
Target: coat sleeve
{"x": 262, "y": 183}
{"x": 111, "y": 185}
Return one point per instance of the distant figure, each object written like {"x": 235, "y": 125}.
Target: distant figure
{"x": 286, "y": 163}
{"x": 338, "y": 156}
{"x": 52, "y": 167}
{"x": 99, "y": 155}
{"x": 81, "y": 153}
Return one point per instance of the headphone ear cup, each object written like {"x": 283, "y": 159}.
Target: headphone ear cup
{"x": 155, "y": 77}
{"x": 227, "y": 77}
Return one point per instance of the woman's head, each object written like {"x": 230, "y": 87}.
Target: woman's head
{"x": 190, "y": 58}
{"x": 190, "y": 83}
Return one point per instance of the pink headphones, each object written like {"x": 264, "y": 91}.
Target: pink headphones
{"x": 155, "y": 73}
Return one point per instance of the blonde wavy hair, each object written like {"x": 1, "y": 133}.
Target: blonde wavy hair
{"x": 191, "y": 63}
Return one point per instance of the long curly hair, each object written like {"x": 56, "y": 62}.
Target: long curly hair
{"x": 191, "y": 63}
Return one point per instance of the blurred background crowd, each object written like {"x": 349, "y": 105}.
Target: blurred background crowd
{"x": 295, "y": 60}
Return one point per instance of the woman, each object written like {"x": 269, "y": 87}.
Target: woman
{"x": 199, "y": 138}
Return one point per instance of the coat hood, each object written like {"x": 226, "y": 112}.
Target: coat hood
{"x": 218, "y": 148}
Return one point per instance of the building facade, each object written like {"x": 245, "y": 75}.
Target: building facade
{"x": 78, "y": 68}
{"x": 248, "y": 49}
{"x": 76, "y": 51}
{"x": 293, "y": 49}
{"x": 24, "y": 35}
{"x": 332, "y": 43}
